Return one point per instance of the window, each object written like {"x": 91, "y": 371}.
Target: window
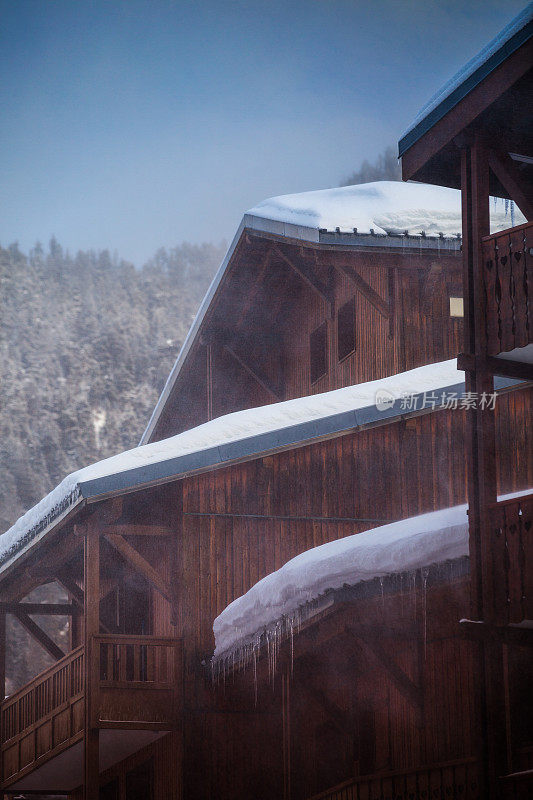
{"x": 346, "y": 329}
{"x": 318, "y": 343}
{"x": 456, "y": 307}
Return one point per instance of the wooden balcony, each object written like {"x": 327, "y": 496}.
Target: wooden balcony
{"x": 508, "y": 284}
{"x": 455, "y": 779}
{"x": 136, "y": 682}
{"x": 511, "y": 535}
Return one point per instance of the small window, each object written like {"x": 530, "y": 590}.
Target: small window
{"x": 318, "y": 342}
{"x": 456, "y": 307}
{"x": 346, "y": 329}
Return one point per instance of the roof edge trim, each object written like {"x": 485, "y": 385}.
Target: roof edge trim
{"x": 465, "y": 87}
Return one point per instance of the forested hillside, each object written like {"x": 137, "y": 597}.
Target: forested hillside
{"x": 86, "y": 345}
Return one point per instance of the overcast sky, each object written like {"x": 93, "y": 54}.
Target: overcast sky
{"x": 130, "y": 125}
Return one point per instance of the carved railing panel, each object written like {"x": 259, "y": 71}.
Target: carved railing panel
{"x": 512, "y": 559}
{"x": 455, "y": 779}
{"x": 508, "y": 284}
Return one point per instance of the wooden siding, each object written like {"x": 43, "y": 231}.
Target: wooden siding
{"x": 242, "y": 522}
{"x": 262, "y": 320}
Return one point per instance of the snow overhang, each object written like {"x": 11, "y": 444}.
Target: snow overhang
{"x": 238, "y": 437}
{"x": 315, "y": 579}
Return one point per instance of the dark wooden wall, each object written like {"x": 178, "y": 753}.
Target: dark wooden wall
{"x": 265, "y": 312}
{"x": 389, "y": 472}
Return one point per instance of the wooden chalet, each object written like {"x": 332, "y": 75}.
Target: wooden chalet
{"x": 316, "y": 401}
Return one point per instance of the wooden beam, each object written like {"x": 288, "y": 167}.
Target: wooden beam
{"x": 513, "y": 181}
{"x": 70, "y": 585}
{"x": 42, "y": 609}
{"x": 91, "y": 764}
{"x": 496, "y": 366}
{"x": 2, "y": 656}
{"x": 256, "y": 374}
{"x": 135, "y": 529}
{"x": 39, "y": 635}
{"x": 365, "y": 289}
{"x": 518, "y": 634}
{"x": 56, "y": 556}
{"x": 375, "y": 653}
{"x": 133, "y": 557}
{"x": 341, "y": 719}
{"x": 309, "y": 278}
{"x": 255, "y": 288}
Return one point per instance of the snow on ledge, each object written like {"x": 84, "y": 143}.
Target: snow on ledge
{"x": 404, "y": 546}
{"x": 383, "y": 207}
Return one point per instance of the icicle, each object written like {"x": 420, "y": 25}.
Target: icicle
{"x": 512, "y": 213}
{"x": 382, "y": 594}
{"x": 255, "y": 678}
{"x": 425, "y": 575}
{"x": 292, "y": 647}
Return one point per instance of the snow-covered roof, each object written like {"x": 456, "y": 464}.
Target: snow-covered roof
{"x": 383, "y": 207}
{"x": 399, "y": 547}
{"x": 390, "y": 209}
{"x": 468, "y": 77}
{"x": 236, "y": 437}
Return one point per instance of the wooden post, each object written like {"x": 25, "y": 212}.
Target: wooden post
{"x": 2, "y": 673}
{"x": 91, "y": 563}
{"x": 2, "y": 656}
{"x": 481, "y": 459}
{"x": 209, "y": 380}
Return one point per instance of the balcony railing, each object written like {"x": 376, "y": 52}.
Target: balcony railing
{"x": 508, "y": 285}
{"x": 454, "y": 779}
{"x": 45, "y": 715}
{"x": 512, "y": 559}
{"x": 136, "y": 680}
{"x": 136, "y": 683}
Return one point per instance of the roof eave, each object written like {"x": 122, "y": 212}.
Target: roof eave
{"x": 461, "y": 91}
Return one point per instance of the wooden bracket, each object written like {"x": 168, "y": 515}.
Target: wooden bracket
{"x": 39, "y": 635}
{"x": 365, "y": 289}
{"x": 254, "y": 372}
{"x": 516, "y": 184}
{"x": 309, "y": 278}
{"x": 375, "y": 653}
{"x": 70, "y": 585}
{"x": 42, "y": 609}
{"x": 138, "y": 562}
{"x": 340, "y": 718}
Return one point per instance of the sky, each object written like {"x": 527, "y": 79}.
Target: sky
{"x": 136, "y": 124}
